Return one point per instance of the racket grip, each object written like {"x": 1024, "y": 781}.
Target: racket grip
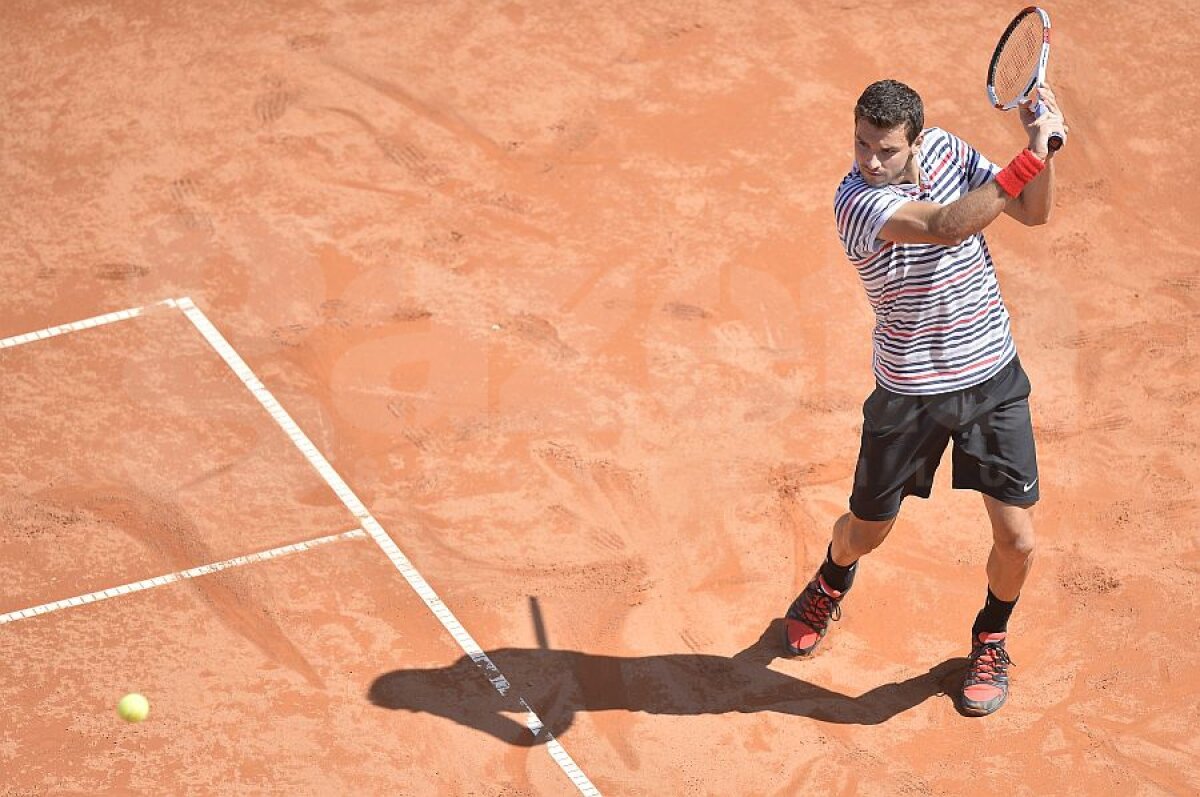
{"x": 1057, "y": 138}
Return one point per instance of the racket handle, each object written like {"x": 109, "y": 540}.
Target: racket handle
{"x": 1057, "y": 138}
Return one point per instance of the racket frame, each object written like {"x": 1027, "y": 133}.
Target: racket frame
{"x": 1038, "y": 77}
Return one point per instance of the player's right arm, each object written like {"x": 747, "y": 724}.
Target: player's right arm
{"x": 932, "y": 223}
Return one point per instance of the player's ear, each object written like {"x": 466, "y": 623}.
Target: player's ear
{"x": 917, "y": 141}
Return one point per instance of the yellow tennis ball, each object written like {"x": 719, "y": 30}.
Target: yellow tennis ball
{"x": 133, "y": 707}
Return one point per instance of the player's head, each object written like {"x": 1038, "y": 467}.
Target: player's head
{"x": 888, "y": 119}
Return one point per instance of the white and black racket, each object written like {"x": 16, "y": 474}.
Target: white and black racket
{"x": 1019, "y": 65}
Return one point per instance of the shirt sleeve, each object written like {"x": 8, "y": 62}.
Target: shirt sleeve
{"x": 861, "y": 213}
{"x": 977, "y": 169}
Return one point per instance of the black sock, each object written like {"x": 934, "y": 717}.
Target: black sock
{"x": 993, "y": 617}
{"x": 837, "y": 577}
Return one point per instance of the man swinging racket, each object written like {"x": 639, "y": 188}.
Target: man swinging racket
{"x": 910, "y": 215}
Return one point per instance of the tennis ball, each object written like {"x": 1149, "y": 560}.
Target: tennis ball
{"x": 133, "y": 707}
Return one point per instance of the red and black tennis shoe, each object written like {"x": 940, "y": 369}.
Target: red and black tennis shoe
{"x": 809, "y": 616}
{"x": 986, "y": 686}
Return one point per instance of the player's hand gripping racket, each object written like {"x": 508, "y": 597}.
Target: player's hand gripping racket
{"x": 1018, "y": 65}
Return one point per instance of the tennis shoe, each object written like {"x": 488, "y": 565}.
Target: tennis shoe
{"x": 809, "y": 616}
{"x": 986, "y": 686}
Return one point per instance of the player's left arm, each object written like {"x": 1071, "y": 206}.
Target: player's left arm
{"x": 1032, "y": 206}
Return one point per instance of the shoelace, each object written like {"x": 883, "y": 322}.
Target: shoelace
{"x": 989, "y": 665}
{"x": 819, "y": 609}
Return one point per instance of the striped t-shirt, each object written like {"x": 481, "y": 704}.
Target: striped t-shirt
{"x": 940, "y": 324}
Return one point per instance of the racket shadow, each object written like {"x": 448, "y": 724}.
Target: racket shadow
{"x": 558, "y": 684}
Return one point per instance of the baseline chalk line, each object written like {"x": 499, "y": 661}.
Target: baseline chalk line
{"x": 182, "y": 575}
{"x": 87, "y": 323}
{"x": 371, "y": 526}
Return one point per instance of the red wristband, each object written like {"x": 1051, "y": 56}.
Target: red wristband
{"x": 1017, "y": 174}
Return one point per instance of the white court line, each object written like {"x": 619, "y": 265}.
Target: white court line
{"x": 381, "y": 537}
{"x": 87, "y": 323}
{"x": 171, "y": 578}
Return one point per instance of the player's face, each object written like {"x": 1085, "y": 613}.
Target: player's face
{"x": 884, "y": 156}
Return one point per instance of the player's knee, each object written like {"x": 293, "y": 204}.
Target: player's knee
{"x": 1017, "y": 545}
{"x": 864, "y": 536}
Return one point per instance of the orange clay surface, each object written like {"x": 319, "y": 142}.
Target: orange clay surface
{"x": 556, "y": 289}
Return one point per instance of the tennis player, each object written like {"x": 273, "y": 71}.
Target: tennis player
{"x": 911, "y": 215}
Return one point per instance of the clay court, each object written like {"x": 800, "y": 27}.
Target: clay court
{"x": 448, "y": 398}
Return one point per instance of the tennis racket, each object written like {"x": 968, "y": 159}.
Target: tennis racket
{"x": 1019, "y": 65}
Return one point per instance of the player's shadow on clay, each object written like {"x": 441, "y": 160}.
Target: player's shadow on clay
{"x": 557, "y": 684}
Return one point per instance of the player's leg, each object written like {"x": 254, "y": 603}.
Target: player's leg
{"x": 901, "y": 446}
{"x": 809, "y": 616}
{"x": 854, "y": 538}
{"x": 1012, "y": 551}
{"x": 985, "y": 688}
{"x": 995, "y": 455}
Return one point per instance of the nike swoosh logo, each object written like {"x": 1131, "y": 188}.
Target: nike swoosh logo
{"x": 1027, "y": 487}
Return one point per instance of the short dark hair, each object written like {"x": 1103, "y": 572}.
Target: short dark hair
{"x": 888, "y": 104}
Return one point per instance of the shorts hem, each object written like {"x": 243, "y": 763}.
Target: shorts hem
{"x": 887, "y": 514}
{"x": 875, "y": 517}
{"x": 1025, "y": 500}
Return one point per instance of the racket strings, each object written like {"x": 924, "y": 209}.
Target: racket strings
{"x": 1018, "y": 59}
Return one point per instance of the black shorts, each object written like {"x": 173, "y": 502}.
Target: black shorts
{"x": 904, "y": 437}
